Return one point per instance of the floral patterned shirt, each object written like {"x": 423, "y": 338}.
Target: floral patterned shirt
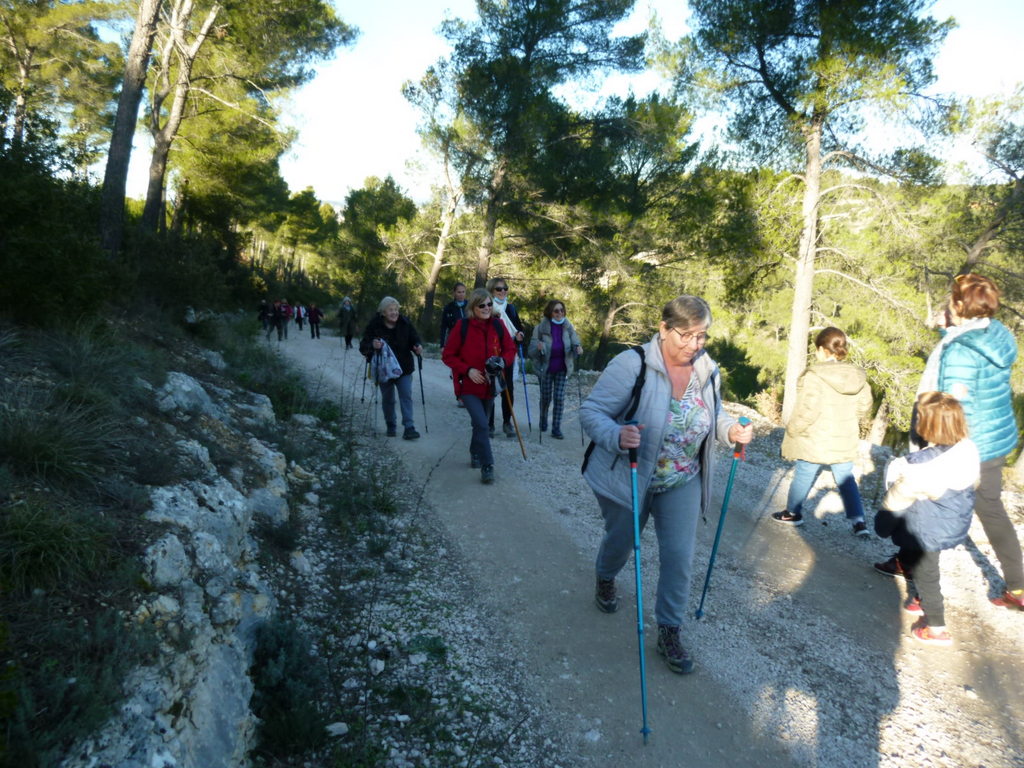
{"x": 688, "y": 424}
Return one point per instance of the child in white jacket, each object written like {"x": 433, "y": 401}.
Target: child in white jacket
{"x": 928, "y": 508}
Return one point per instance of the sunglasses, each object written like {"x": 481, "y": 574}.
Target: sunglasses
{"x": 557, "y": 311}
{"x": 488, "y": 304}
{"x": 501, "y": 287}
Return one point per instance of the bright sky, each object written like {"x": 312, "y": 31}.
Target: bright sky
{"x": 354, "y": 122}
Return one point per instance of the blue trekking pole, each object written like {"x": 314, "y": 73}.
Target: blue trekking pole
{"x": 739, "y": 453}
{"x": 526, "y": 396}
{"x": 634, "y": 494}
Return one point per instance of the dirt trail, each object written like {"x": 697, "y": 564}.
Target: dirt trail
{"x": 803, "y": 655}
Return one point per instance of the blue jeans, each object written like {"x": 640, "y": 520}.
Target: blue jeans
{"x": 675, "y": 515}
{"x": 803, "y": 480}
{"x": 480, "y": 444}
{"x": 387, "y": 400}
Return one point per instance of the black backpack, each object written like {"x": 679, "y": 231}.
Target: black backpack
{"x": 634, "y": 401}
{"x": 499, "y": 327}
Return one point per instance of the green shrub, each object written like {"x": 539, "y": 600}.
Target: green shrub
{"x": 67, "y": 681}
{"x": 45, "y": 546}
{"x": 287, "y": 680}
{"x": 54, "y": 438}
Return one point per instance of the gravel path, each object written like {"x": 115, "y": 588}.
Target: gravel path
{"x": 803, "y": 655}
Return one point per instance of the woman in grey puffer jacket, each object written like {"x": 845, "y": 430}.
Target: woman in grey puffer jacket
{"x": 832, "y": 396}
{"x": 678, "y": 417}
{"x": 554, "y": 348}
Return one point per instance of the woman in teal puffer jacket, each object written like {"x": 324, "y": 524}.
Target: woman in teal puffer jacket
{"x": 972, "y": 363}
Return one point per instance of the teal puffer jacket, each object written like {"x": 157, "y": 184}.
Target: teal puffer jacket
{"x": 975, "y": 369}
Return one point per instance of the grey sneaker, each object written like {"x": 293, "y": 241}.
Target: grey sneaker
{"x": 605, "y": 595}
{"x": 507, "y": 429}
{"x": 474, "y": 462}
{"x": 487, "y": 474}
{"x": 676, "y": 657}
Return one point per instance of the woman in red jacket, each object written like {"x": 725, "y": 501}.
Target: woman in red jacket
{"x": 473, "y": 342}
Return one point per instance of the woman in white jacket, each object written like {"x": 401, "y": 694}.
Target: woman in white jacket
{"x": 678, "y": 416}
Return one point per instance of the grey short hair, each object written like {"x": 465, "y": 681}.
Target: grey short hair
{"x": 686, "y": 311}
{"x": 386, "y": 302}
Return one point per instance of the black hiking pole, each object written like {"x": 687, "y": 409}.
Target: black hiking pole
{"x": 376, "y": 387}
{"x": 362, "y": 397}
{"x": 739, "y": 453}
{"x": 423, "y": 398}
{"x": 635, "y": 497}
{"x": 526, "y": 395}
{"x": 579, "y": 396}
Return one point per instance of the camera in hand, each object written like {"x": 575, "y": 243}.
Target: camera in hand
{"x": 494, "y": 365}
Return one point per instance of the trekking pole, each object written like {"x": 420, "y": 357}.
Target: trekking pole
{"x": 526, "y": 395}
{"x": 634, "y": 495}
{"x": 376, "y": 388}
{"x": 739, "y": 453}
{"x": 362, "y": 397}
{"x": 515, "y": 423}
{"x": 579, "y": 396}
{"x": 423, "y": 399}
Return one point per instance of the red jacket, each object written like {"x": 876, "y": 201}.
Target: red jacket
{"x": 483, "y": 340}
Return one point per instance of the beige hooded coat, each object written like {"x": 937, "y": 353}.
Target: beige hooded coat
{"x": 831, "y": 399}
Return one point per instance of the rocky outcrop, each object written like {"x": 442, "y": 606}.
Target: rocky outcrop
{"x": 206, "y": 593}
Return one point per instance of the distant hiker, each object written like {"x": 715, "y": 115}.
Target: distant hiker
{"x": 263, "y": 314}
{"x": 347, "y": 320}
{"x": 277, "y": 320}
{"x": 832, "y": 397}
{"x": 314, "y": 315}
{"x": 928, "y": 508}
{"x": 286, "y": 318}
{"x": 505, "y": 311}
{"x": 453, "y": 311}
{"x": 300, "y": 315}
{"x": 396, "y": 330}
{"x": 554, "y": 348}
{"x": 479, "y": 350}
{"x": 972, "y": 363}
{"x": 677, "y": 415}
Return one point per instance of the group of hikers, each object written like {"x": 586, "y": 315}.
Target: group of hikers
{"x": 278, "y": 315}
{"x": 661, "y": 402}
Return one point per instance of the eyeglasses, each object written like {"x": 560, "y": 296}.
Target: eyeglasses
{"x": 687, "y": 337}
{"x": 488, "y": 304}
{"x": 501, "y": 287}
{"x": 558, "y": 311}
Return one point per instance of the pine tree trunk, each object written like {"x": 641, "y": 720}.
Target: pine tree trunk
{"x": 803, "y": 280}
{"x": 115, "y": 177}
{"x": 483, "y": 255}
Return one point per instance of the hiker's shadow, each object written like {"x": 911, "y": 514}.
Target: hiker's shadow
{"x": 832, "y": 629}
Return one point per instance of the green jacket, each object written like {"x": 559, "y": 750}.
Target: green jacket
{"x": 831, "y": 400}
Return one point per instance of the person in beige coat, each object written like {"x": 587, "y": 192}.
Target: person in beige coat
{"x": 832, "y": 397}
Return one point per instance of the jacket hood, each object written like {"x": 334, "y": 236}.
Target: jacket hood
{"x": 844, "y": 378}
{"x": 995, "y": 343}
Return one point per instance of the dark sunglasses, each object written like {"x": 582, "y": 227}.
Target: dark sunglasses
{"x": 501, "y": 287}
{"x": 488, "y": 304}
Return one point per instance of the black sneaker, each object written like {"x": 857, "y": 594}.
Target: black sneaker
{"x": 392, "y": 431}
{"x": 474, "y": 462}
{"x": 788, "y": 518}
{"x": 557, "y": 434}
{"x": 676, "y": 657}
{"x": 487, "y": 474}
{"x": 894, "y": 568}
{"x": 605, "y": 595}
{"x": 507, "y": 429}
{"x": 860, "y": 528}
{"x": 410, "y": 434}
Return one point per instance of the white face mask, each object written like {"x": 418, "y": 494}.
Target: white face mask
{"x": 558, "y": 322}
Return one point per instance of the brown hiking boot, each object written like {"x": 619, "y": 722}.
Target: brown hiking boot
{"x": 676, "y": 657}
{"x": 605, "y": 595}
